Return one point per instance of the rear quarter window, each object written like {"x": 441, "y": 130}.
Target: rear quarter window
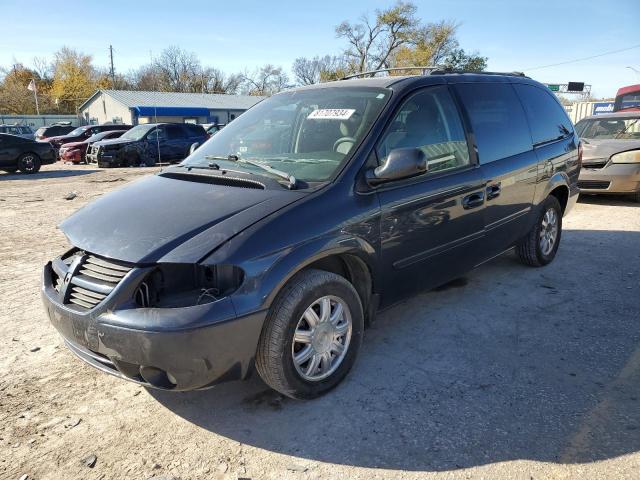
{"x": 497, "y": 119}
{"x": 547, "y": 119}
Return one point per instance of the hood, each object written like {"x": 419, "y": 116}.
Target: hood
{"x": 598, "y": 149}
{"x": 170, "y": 220}
{"x": 74, "y": 144}
{"x": 63, "y": 138}
{"x": 113, "y": 141}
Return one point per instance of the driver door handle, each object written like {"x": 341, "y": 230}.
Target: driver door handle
{"x": 493, "y": 191}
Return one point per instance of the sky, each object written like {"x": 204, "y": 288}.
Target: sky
{"x": 234, "y": 36}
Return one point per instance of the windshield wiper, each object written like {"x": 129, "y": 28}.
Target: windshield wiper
{"x": 624, "y": 130}
{"x": 267, "y": 168}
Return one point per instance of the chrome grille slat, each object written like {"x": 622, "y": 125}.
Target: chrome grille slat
{"x": 101, "y": 276}
{"x": 79, "y": 296}
{"x": 103, "y": 270}
{"x": 109, "y": 265}
{"x": 82, "y": 303}
{"x": 89, "y": 293}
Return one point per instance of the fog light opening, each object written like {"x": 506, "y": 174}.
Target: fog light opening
{"x": 158, "y": 378}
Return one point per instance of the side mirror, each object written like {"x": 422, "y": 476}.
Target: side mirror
{"x": 401, "y": 163}
{"x": 193, "y": 147}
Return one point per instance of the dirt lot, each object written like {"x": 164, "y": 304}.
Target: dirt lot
{"x": 510, "y": 373}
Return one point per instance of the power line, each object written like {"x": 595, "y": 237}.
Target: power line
{"x": 582, "y": 59}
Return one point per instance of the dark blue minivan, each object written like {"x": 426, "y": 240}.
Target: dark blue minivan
{"x": 273, "y": 245}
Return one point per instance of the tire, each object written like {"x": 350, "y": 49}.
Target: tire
{"x": 532, "y": 249}
{"x": 29, "y": 163}
{"x": 149, "y": 161}
{"x": 131, "y": 160}
{"x": 310, "y": 290}
{"x": 636, "y": 197}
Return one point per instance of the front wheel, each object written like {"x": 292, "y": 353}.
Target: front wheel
{"x": 311, "y": 336}
{"x": 540, "y": 245}
{"x": 29, "y": 163}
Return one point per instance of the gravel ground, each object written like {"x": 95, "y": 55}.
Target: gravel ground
{"x": 509, "y": 373}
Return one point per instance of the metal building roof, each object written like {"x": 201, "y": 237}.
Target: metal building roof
{"x": 212, "y": 101}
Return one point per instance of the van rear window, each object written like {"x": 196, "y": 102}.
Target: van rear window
{"x": 497, "y": 119}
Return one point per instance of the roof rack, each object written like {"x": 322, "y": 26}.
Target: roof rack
{"x": 425, "y": 70}
{"x": 429, "y": 70}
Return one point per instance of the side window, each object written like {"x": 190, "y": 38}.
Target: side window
{"x": 156, "y": 134}
{"x": 497, "y": 119}
{"x": 428, "y": 120}
{"x": 174, "y": 131}
{"x": 547, "y": 118}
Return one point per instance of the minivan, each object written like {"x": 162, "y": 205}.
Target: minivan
{"x": 275, "y": 258}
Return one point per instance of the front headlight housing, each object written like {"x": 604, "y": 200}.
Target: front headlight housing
{"x": 632, "y": 156}
{"x": 175, "y": 285}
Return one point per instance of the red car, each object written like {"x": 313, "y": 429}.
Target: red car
{"x": 76, "y": 152}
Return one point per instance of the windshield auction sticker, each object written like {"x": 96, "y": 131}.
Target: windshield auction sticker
{"x": 332, "y": 114}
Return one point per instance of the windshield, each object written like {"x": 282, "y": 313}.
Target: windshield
{"x": 628, "y": 100}
{"x": 77, "y": 131}
{"x": 137, "y": 132}
{"x": 307, "y": 133}
{"x": 610, "y": 128}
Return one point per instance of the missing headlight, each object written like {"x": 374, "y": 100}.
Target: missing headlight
{"x": 184, "y": 285}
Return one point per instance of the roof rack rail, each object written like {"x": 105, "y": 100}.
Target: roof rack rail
{"x": 425, "y": 70}
{"x": 430, "y": 70}
{"x": 450, "y": 71}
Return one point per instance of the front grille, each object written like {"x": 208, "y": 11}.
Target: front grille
{"x": 91, "y": 278}
{"x": 593, "y": 184}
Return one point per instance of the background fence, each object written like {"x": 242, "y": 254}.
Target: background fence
{"x": 37, "y": 121}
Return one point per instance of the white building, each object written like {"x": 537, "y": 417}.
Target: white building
{"x": 135, "y": 107}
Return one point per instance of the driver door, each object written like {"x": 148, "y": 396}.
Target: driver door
{"x": 431, "y": 225}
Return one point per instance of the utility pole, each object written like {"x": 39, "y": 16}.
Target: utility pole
{"x": 113, "y": 71}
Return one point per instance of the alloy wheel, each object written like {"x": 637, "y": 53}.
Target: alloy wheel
{"x": 321, "y": 338}
{"x": 548, "y": 231}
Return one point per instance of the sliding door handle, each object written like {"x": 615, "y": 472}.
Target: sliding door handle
{"x": 473, "y": 201}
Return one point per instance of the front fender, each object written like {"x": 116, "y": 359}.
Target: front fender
{"x": 265, "y": 276}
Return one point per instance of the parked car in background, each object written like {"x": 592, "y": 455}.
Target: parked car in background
{"x": 611, "y": 161}
{"x": 147, "y": 144}
{"x": 17, "y": 153}
{"x": 76, "y": 152}
{"x": 80, "y": 134}
{"x": 277, "y": 260}
{"x": 23, "y": 131}
{"x": 44, "y": 133}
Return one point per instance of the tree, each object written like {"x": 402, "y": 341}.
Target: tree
{"x": 216, "y": 81}
{"x": 178, "y": 70}
{"x": 15, "y": 98}
{"x": 266, "y": 80}
{"x": 372, "y": 44}
{"x": 430, "y": 45}
{"x": 74, "y": 79}
{"x": 308, "y": 71}
{"x": 458, "y": 59}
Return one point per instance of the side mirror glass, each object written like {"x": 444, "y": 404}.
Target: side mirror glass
{"x": 193, "y": 148}
{"x": 401, "y": 163}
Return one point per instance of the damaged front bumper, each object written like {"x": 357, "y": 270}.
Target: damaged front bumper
{"x": 184, "y": 348}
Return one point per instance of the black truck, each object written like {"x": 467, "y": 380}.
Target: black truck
{"x": 148, "y": 144}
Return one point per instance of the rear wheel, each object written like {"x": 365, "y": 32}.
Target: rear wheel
{"x": 29, "y": 163}
{"x": 312, "y": 335}
{"x": 540, "y": 245}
